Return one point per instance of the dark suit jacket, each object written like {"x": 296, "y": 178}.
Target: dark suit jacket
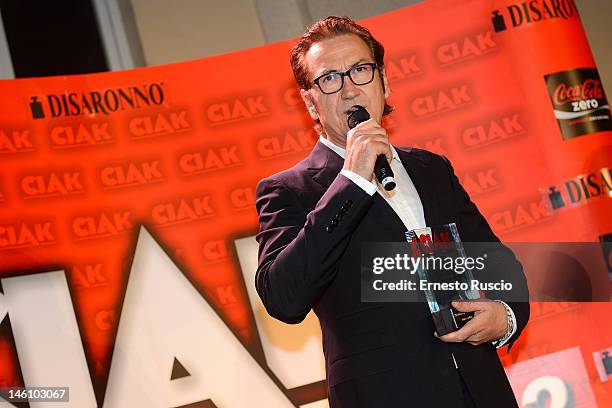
{"x": 376, "y": 354}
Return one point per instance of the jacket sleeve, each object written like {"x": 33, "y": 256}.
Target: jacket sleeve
{"x": 299, "y": 250}
{"x": 475, "y": 228}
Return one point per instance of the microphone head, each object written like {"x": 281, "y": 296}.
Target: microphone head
{"x": 359, "y": 114}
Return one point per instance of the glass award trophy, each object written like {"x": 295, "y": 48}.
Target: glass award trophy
{"x": 443, "y": 275}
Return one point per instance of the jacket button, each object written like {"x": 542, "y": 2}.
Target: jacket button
{"x": 328, "y": 228}
{"x": 348, "y": 204}
{"x": 334, "y": 222}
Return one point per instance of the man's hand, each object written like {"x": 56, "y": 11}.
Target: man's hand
{"x": 489, "y": 322}
{"x": 363, "y": 145}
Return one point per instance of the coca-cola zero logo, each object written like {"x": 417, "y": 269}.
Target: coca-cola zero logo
{"x": 579, "y": 102}
{"x": 589, "y": 89}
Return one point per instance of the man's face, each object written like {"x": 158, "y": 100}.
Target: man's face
{"x": 339, "y": 54}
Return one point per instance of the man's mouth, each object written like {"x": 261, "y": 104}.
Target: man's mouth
{"x": 353, "y": 109}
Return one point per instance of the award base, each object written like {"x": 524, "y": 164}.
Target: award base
{"x": 450, "y": 320}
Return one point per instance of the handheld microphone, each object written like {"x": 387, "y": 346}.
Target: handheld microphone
{"x": 382, "y": 170}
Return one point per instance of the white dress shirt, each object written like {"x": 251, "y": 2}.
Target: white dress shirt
{"x": 406, "y": 203}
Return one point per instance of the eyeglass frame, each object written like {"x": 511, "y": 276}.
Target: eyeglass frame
{"x": 344, "y": 74}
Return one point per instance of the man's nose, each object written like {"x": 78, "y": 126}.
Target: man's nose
{"x": 349, "y": 89}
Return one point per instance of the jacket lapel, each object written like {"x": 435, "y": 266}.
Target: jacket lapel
{"x": 324, "y": 165}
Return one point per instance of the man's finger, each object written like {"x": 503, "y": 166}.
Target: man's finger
{"x": 476, "y": 337}
{"x": 472, "y": 327}
{"x": 467, "y": 305}
{"x": 368, "y": 124}
{"x": 459, "y": 335}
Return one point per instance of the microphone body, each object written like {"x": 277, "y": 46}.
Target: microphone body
{"x": 382, "y": 169}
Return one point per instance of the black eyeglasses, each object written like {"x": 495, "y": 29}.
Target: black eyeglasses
{"x": 332, "y": 82}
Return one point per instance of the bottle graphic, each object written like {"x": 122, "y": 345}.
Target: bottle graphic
{"x": 556, "y": 200}
{"x": 36, "y": 108}
{"x": 499, "y": 24}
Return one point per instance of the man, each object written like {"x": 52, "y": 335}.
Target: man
{"x": 315, "y": 216}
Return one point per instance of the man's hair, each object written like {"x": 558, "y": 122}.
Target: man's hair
{"x": 331, "y": 27}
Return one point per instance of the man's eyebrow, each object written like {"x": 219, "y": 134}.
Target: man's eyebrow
{"x": 361, "y": 61}
{"x": 329, "y": 70}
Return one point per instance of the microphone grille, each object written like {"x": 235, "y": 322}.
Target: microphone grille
{"x": 358, "y": 115}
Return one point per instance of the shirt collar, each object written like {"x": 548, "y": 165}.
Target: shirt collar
{"x": 342, "y": 152}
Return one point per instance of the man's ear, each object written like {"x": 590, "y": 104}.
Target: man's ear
{"x": 310, "y": 106}
{"x": 385, "y": 83}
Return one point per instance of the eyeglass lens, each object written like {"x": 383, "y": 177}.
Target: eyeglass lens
{"x": 359, "y": 74}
